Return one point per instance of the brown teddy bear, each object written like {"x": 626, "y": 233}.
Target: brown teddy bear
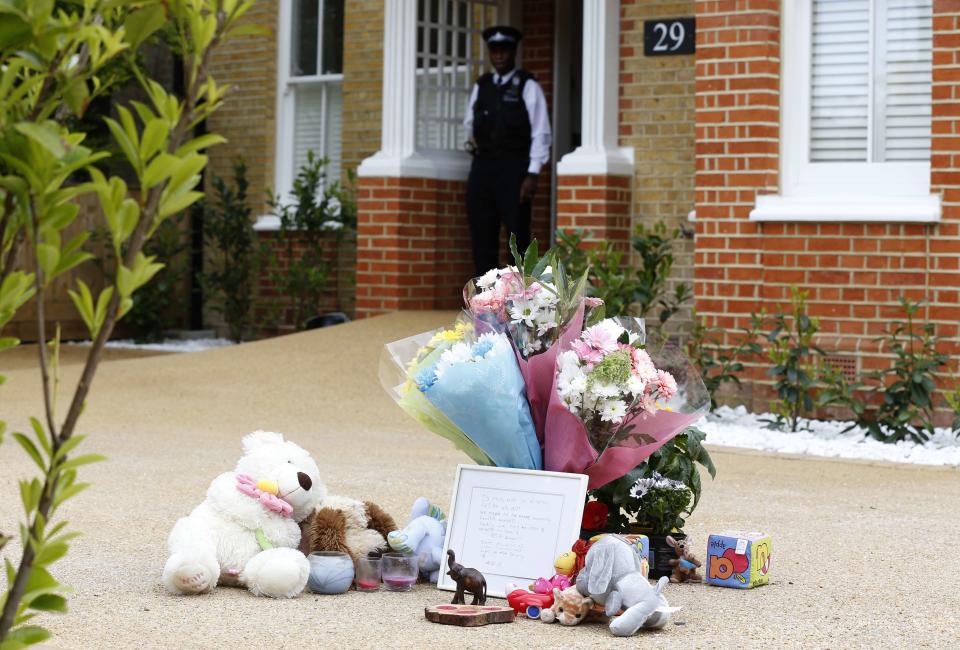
{"x": 359, "y": 528}
{"x": 570, "y": 607}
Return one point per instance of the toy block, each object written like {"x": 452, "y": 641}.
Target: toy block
{"x": 738, "y": 559}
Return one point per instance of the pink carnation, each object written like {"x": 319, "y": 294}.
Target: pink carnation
{"x": 488, "y": 302}
{"x": 592, "y": 303}
{"x": 642, "y": 365}
{"x": 666, "y": 385}
{"x": 647, "y": 403}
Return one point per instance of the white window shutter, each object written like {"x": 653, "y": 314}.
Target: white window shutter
{"x": 904, "y": 81}
{"x": 308, "y": 131}
{"x": 840, "y": 81}
{"x": 333, "y": 139}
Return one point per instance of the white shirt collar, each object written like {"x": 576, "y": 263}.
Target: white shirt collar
{"x": 500, "y": 80}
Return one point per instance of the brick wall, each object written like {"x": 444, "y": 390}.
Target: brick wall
{"x": 657, "y": 119}
{"x": 248, "y": 116}
{"x": 600, "y": 204}
{"x": 362, "y": 80}
{"x": 413, "y": 250}
{"x": 854, "y": 272}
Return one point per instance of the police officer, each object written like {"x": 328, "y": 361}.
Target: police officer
{"x": 510, "y": 139}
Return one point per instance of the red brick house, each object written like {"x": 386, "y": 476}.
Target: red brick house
{"x": 805, "y": 142}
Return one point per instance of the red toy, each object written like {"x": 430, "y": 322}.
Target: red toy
{"x": 531, "y": 604}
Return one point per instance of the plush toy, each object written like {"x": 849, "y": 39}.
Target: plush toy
{"x": 612, "y": 576}
{"x": 246, "y": 532}
{"x": 685, "y": 565}
{"x": 423, "y": 537}
{"x": 570, "y": 607}
{"x": 359, "y": 528}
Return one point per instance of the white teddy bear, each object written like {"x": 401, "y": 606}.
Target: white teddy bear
{"x": 246, "y": 532}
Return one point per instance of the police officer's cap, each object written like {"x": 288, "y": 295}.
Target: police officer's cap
{"x": 502, "y": 35}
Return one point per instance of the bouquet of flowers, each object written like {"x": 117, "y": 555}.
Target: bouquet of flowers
{"x": 467, "y": 388}
{"x": 540, "y": 308}
{"x": 612, "y": 405}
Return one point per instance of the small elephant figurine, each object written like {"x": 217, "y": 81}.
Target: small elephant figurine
{"x": 467, "y": 580}
{"x": 685, "y": 565}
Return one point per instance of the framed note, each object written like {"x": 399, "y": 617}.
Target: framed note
{"x": 511, "y": 524}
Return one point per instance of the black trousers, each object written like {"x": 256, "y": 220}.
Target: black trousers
{"x": 493, "y": 197}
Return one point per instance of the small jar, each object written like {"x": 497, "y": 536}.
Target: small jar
{"x": 331, "y": 572}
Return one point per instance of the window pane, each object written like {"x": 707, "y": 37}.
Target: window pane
{"x": 317, "y": 125}
{"x": 450, "y": 55}
{"x": 840, "y": 80}
{"x": 305, "y": 37}
{"x": 332, "y": 36}
{"x": 905, "y": 69}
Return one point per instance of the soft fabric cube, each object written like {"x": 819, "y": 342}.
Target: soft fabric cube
{"x": 640, "y": 544}
{"x": 738, "y": 559}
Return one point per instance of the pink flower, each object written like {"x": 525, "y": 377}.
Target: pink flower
{"x": 592, "y": 303}
{"x": 586, "y": 353}
{"x": 487, "y": 302}
{"x": 602, "y": 336}
{"x": 666, "y": 385}
{"x": 647, "y": 403}
{"x": 641, "y": 365}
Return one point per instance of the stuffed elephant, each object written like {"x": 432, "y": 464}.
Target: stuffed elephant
{"x": 611, "y": 576}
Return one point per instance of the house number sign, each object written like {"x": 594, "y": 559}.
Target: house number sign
{"x": 669, "y": 36}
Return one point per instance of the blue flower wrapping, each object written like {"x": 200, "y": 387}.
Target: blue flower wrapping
{"x": 485, "y": 398}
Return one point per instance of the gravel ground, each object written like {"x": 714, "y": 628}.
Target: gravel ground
{"x": 864, "y": 555}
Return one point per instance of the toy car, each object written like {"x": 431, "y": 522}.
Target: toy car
{"x": 528, "y": 603}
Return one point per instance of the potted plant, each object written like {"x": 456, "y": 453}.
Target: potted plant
{"x": 655, "y": 498}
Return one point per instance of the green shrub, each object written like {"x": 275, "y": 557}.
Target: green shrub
{"x": 313, "y": 217}
{"x": 794, "y": 361}
{"x": 642, "y": 291}
{"x": 235, "y": 255}
{"x": 719, "y": 364}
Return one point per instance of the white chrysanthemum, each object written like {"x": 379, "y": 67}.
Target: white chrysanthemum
{"x": 331, "y": 224}
{"x": 458, "y": 353}
{"x": 523, "y": 310}
{"x": 613, "y": 410}
{"x": 635, "y": 385}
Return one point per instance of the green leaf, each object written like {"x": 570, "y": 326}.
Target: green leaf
{"x": 45, "y": 135}
{"x": 125, "y": 143}
{"x": 49, "y": 603}
{"x": 178, "y": 204}
{"x": 197, "y": 144}
{"x": 78, "y": 461}
{"x": 68, "y": 446}
{"x": 50, "y": 553}
{"x": 141, "y": 24}
{"x": 23, "y": 636}
{"x": 40, "y": 434}
{"x": 31, "y": 450}
{"x": 48, "y": 256}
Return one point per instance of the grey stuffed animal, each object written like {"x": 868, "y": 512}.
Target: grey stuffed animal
{"x": 611, "y": 576}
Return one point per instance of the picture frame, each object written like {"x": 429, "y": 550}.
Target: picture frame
{"x": 511, "y": 524}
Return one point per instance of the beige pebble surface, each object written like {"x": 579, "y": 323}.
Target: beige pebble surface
{"x": 864, "y": 555}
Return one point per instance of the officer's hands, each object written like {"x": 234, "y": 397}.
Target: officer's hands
{"x": 528, "y": 189}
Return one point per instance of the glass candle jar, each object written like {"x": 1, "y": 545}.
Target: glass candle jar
{"x": 331, "y": 572}
{"x": 399, "y": 571}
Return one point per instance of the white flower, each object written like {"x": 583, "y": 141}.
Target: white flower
{"x": 488, "y": 279}
{"x": 635, "y": 385}
{"x": 656, "y": 481}
{"x": 613, "y": 410}
{"x": 331, "y": 225}
{"x": 523, "y": 310}
{"x": 458, "y": 353}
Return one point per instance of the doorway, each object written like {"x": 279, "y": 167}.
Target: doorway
{"x": 568, "y": 88}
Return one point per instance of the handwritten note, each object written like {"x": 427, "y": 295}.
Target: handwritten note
{"x": 509, "y": 530}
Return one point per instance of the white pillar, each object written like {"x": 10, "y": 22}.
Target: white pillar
{"x": 398, "y": 155}
{"x": 599, "y": 151}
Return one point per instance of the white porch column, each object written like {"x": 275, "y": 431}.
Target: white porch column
{"x": 599, "y": 152}
{"x": 398, "y": 154}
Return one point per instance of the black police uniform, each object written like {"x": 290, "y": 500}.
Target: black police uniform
{"x": 502, "y": 133}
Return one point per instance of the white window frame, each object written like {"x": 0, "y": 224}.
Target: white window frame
{"x": 833, "y": 191}
{"x": 284, "y": 171}
{"x": 399, "y": 155}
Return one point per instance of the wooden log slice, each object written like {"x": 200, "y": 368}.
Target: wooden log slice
{"x": 468, "y": 615}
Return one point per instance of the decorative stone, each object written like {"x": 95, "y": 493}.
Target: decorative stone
{"x": 468, "y": 615}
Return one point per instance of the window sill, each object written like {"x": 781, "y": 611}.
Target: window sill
{"x": 921, "y": 209}
{"x": 267, "y": 223}
{"x": 429, "y": 163}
